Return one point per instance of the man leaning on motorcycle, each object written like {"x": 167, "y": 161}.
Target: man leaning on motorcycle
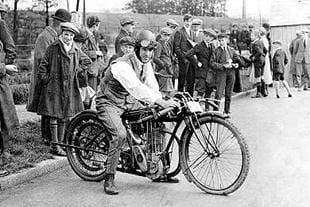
{"x": 127, "y": 81}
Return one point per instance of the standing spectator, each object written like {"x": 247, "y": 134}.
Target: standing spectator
{"x": 302, "y": 60}
{"x": 128, "y": 26}
{"x": 172, "y": 24}
{"x": 195, "y": 30}
{"x": 186, "y": 66}
{"x": 90, "y": 48}
{"x": 163, "y": 64}
{"x": 279, "y": 62}
{"x": 266, "y": 26}
{"x": 292, "y": 48}
{"x": 267, "y": 76}
{"x": 60, "y": 97}
{"x": 8, "y": 118}
{"x": 127, "y": 45}
{"x": 244, "y": 39}
{"x": 205, "y": 75}
{"x": 233, "y": 37}
{"x": 222, "y": 60}
{"x": 45, "y": 38}
{"x": 258, "y": 54}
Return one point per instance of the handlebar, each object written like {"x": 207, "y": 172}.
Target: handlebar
{"x": 158, "y": 114}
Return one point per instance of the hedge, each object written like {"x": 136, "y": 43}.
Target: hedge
{"x": 19, "y": 78}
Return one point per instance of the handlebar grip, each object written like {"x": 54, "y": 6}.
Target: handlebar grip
{"x": 165, "y": 111}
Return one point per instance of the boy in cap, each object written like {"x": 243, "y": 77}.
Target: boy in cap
{"x": 163, "y": 64}
{"x": 223, "y": 61}
{"x": 205, "y": 75}
{"x": 45, "y": 38}
{"x": 233, "y": 37}
{"x": 59, "y": 95}
{"x": 9, "y": 119}
{"x": 279, "y": 62}
{"x": 128, "y": 26}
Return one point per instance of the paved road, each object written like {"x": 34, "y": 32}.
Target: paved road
{"x": 277, "y": 131}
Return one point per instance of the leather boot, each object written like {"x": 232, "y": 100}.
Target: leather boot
{"x": 258, "y": 92}
{"x": 264, "y": 89}
{"x": 109, "y": 186}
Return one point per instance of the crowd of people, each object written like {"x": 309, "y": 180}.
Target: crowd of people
{"x": 70, "y": 75}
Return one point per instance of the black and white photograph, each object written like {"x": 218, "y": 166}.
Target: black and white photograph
{"x": 154, "y": 103}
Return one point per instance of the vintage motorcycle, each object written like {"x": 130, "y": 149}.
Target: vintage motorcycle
{"x": 210, "y": 151}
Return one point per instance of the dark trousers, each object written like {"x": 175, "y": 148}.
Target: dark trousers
{"x": 225, "y": 82}
{"x": 186, "y": 74}
{"x": 203, "y": 88}
{"x": 45, "y": 128}
{"x": 4, "y": 141}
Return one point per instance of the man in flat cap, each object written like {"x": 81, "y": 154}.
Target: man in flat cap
{"x": 127, "y": 29}
{"x": 186, "y": 65}
{"x": 91, "y": 49}
{"x": 60, "y": 97}
{"x": 292, "y": 48}
{"x": 45, "y": 38}
{"x": 224, "y": 60}
{"x": 195, "y": 30}
{"x": 244, "y": 39}
{"x": 8, "y": 116}
{"x": 233, "y": 36}
{"x": 205, "y": 75}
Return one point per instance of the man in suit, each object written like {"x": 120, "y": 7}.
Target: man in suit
{"x": 205, "y": 75}
{"x": 195, "y": 30}
{"x": 186, "y": 65}
{"x": 292, "y": 47}
{"x": 302, "y": 60}
{"x": 223, "y": 61}
{"x": 128, "y": 26}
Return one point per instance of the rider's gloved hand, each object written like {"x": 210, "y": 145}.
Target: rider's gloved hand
{"x": 169, "y": 103}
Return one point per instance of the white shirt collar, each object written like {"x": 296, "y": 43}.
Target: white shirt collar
{"x": 67, "y": 47}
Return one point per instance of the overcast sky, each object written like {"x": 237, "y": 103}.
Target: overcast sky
{"x": 234, "y": 7}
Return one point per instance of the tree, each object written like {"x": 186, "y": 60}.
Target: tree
{"x": 180, "y": 7}
{"x": 47, "y": 4}
{"x": 15, "y": 32}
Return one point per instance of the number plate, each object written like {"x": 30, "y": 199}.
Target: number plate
{"x": 194, "y": 106}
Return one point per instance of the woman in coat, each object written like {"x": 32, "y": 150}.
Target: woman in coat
{"x": 60, "y": 97}
{"x": 8, "y": 115}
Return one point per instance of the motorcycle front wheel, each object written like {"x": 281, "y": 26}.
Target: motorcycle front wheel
{"x": 215, "y": 157}
{"x": 90, "y": 144}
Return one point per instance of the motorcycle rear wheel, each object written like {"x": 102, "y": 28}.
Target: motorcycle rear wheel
{"x": 81, "y": 132}
{"x": 213, "y": 172}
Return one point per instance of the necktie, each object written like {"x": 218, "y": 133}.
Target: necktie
{"x": 142, "y": 73}
{"x": 305, "y": 43}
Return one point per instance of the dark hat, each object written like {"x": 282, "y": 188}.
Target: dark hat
{"x": 251, "y": 26}
{"x": 266, "y": 26}
{"x": 68, "y": 26}
{"x": 80, "y": 37}
{"x": 210, "y": 32}
{"x": 126, "y": 20}
{"x": 3, "y": 8}
{"x": 187, "y": 17}
{"x": 91, "y": 21}
{"x": 127, "y": 40}
{"x": 62, "y": 15}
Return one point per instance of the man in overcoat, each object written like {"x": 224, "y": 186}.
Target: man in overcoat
{"x": 292, "y": 47}
{"x": 8, "y": 115}
{"x": 60, "y": 97}
{"x": 45, "y": 38}
{"x": 127, "y": 29}
{"x": 187, "y": 66}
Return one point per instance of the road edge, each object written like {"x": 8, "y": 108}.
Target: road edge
{"x": 41, "y": 169}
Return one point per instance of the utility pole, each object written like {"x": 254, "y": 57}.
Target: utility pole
{"x": 84, "y": 13}
{"x": 244, "y": 9}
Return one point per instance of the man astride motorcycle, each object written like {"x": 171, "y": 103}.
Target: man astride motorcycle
{"x": 128, "y": 79}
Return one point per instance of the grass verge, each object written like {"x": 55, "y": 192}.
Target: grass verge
{"x": 26, "y": 148}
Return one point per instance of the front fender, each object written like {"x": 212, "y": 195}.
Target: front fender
{"x": 212, "y": 114}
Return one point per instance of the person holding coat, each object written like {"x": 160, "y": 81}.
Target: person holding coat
{"x": 8, "y": 115}
{"x": 60, "y": 97}
{"x": 45, "y": 38}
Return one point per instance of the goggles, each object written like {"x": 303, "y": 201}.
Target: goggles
{"x": 148, "y": 44}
